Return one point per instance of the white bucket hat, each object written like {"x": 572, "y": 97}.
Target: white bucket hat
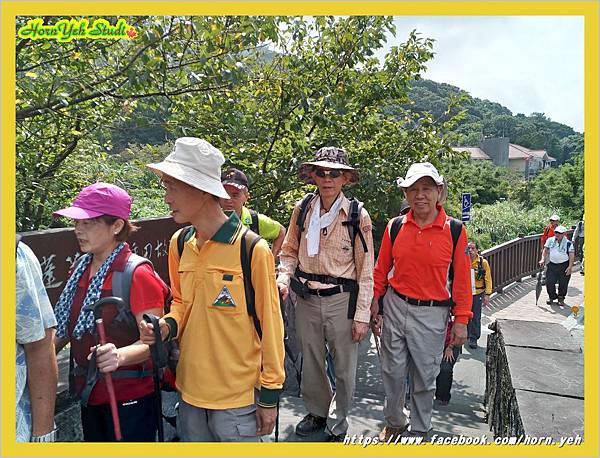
{"x": 420, "y": 170}
{"x": 195, "y": 162}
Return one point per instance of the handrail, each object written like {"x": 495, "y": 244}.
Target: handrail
{"x": 511, "y": 261}
{"x": 57, "y": 250}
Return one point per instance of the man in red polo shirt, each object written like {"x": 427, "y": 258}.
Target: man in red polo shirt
{"x": 416, "y": 300}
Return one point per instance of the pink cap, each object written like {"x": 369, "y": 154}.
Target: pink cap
{"x": 97, "y": 200}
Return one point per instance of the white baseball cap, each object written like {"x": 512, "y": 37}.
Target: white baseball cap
{"x": 555, "y": 218}
{"x": 560, "y": 230}
{"x": 418, "y": 171}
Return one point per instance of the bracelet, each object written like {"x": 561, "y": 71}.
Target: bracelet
{"x": 49, "y": 437}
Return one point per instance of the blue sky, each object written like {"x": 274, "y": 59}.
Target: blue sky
{"x": 526, "y": 63}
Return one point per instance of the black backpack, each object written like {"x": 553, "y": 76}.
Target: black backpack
{"x": 352, "y": 223}
{"x": 455, "y": 230}
{"x": 248, "y": 242}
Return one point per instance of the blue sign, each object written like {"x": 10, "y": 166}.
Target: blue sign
{"x": 466, "y": 206}
{"x": 466, "y": 202}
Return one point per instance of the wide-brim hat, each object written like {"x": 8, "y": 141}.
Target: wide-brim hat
{"x": 195, "y": 162}
{"x": 420, "y": 170}
{"x": 328, "y": 157}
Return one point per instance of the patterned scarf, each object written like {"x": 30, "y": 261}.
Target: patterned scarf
{"x": 85, "y": 321}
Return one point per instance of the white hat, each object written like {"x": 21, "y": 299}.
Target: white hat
{"x": 555, "y": 218}
{"x": 560, "y": 230}
{"x": 420, "y": 170}
{"x": 195, "y": 162}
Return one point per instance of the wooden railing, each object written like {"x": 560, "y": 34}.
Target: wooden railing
{"x": 513, "y": 260}
{"x": 57, "y": 250}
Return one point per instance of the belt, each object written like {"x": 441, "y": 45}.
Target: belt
{"x": 422, "y": 302}
{"x": 324, "y": 292}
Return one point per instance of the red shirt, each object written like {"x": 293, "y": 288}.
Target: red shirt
{"x": 548, "y": 232}
{"x": 146, "y": 293}
{"x": 421, "y": 260}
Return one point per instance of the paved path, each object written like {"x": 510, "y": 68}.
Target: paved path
{"x": 465, "y": 413}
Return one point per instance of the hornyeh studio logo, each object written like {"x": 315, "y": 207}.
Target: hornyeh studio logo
{"x": 66, "y": 30}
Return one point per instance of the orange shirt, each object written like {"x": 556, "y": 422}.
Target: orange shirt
{"x": 548, "y": 232}
{"x": 421, "y": 259}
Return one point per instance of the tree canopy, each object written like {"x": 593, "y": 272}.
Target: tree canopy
{"x": 266, "y": 91}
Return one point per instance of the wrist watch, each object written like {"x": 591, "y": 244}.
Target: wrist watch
{"x": 49, "y": 437}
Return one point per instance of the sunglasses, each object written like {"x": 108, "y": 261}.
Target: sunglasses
{"x": 321, "y": 173}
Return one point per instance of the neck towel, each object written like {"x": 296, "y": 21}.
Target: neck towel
{"x": 317, "y": 222}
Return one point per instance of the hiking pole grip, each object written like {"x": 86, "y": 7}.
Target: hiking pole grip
{"x": 109, "y": 385}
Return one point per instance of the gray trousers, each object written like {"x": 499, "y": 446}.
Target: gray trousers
{"x": 195, "y": 424}
{"x": 412, "y": 342}
{"x": 320, "y": 320}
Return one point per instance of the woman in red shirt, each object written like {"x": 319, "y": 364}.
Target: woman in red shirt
{"x": 101, "y": 214}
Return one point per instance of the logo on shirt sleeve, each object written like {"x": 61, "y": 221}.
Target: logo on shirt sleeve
{"x": 224, "y": 299}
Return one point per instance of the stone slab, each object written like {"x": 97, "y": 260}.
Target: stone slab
{"x": 546, "y": 371}
{"x": 549, "y": 415}
{"x": 551, "y": 336}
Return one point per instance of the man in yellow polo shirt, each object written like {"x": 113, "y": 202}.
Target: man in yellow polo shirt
{"x": 228, "y": 376}
{"x": 235, "y": 183}
{"x": 482, "y": 274}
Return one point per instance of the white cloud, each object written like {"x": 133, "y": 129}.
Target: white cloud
{"x": 526, "y": 63}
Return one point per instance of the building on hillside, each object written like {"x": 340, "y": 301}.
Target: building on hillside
{"x": 502, "y": 153}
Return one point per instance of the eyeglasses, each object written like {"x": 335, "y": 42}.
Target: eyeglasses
{"x": 321, "y": 173}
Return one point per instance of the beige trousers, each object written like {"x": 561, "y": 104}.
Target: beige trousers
{"x": 321, "y": 320}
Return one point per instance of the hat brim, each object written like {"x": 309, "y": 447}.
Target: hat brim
{"x": 77, "y": 213}
{"x": 307, "y": 167}
{"x": 194, "y": 178}
{"x": 328, "y": 165}
{"x": 413, "y": 179}
{"x": 235, "y": 185}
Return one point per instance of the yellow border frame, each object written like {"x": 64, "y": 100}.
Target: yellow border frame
{"x": 587, "y": 9}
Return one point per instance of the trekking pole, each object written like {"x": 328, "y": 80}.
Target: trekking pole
{"x": 97, "y": 311}
{"x": 109, "y": 385}
{"x": 277, "y": 423}
{"x": 159, "y": 361}
{"x": 377, "y": 346}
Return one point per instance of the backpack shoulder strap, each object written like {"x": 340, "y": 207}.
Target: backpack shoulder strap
{"x": 455, "y": 229}
{"x": 185, "y": 234}
{"x": 121, "y": 280}
{"x": 19, "y": 237}
{"x": 395, "y": 228}
{"x": 254, "y": 224}
{"x": 303, "y": 210}
{"x": 353, "y": 223}
{"x": 247, "y": 244}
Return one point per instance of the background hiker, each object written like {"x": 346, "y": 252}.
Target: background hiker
{"x": 236, "y": 185}
{"x": 101, "y": 214}
{"x": 559, "y": 254}
{"x": 328, "y": 258}
{"x": 482, "y": 289}
{"x": 443, "y": 382}
{"x": 36, "y": 371}
{"x": 421, "y": 247}
{"x": 231, "y": 369}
